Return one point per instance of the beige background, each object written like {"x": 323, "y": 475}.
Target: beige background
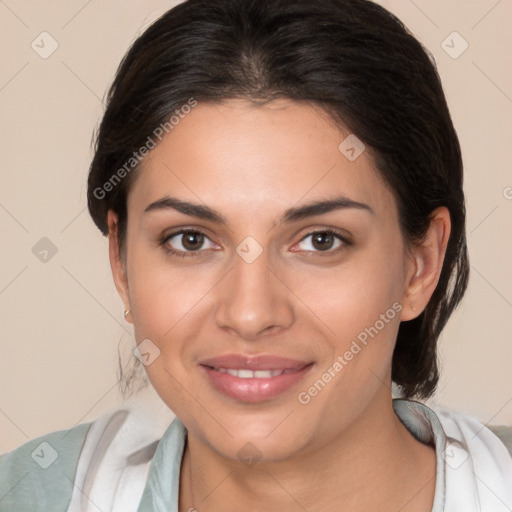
{"x": 61, "y": 321}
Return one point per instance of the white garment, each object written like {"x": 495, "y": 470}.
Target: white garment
{"x": 117, "y": 453}
{"x": 474, "y": 468}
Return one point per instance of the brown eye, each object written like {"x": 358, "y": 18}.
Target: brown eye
{"x": 185, "y": 242}
{"x": 192, "y": 241}
{"x": 324, "y": 241}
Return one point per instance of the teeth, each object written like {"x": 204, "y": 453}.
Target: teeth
{"x": 265, "y": 374}
{"x": 249, "y": 374}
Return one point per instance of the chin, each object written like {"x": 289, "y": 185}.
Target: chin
{"x": 253, "y": 437}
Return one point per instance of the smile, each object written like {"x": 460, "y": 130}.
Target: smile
{"x": 253, "y": 378}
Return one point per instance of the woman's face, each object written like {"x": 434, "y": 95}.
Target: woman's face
{"x": 260, "y": 291}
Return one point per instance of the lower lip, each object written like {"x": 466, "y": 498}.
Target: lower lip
{"x": 254, "y": 390}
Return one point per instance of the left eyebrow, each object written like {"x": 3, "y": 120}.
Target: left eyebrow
{"x": 291, "y": 215}
{"x": 321, "y": 208}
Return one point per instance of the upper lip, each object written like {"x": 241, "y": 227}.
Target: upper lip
{"x": 259, "y": 362}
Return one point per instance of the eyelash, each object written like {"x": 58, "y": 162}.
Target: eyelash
{"x": 185, "y": 254}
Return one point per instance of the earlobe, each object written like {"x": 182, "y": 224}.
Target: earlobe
{"x": 426, "y": 263}
{"x": 116, "y": 263}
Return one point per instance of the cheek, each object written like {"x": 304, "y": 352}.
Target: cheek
{"x": 165, "y": 298}
{"x": 172, "y": 307}
{"x": 353, "y": 296}
{"x": 167, "y": 310}
{"x": 361, "y": 305}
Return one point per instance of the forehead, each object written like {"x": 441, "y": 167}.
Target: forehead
{"x": 252, "y": 158}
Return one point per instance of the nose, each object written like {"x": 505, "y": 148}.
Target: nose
{"x": 254, "y": 300}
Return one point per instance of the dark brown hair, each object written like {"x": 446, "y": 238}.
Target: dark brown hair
{"x": 351, "y": 57}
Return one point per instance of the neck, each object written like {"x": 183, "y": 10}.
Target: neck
{"x": 376, "y": 464}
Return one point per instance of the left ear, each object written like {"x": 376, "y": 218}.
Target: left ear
{"x": 425, "y": 265}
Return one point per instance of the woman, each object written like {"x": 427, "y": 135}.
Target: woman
{"x": 281, "y": 185}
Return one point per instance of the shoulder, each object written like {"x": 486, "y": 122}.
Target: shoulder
{"x": 478, "y": 463}
{"x": 109, "y": 458}
{"x": 474, "y": 465}
{"x": 492, "y": 438}
{"x": 504, "y": 433}
{"x": 454, "y": 424}
{"x": 41, "y": 471}
{"x": 118, "y": 452}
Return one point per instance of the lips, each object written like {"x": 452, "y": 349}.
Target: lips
{"x": 253, "y": 378}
